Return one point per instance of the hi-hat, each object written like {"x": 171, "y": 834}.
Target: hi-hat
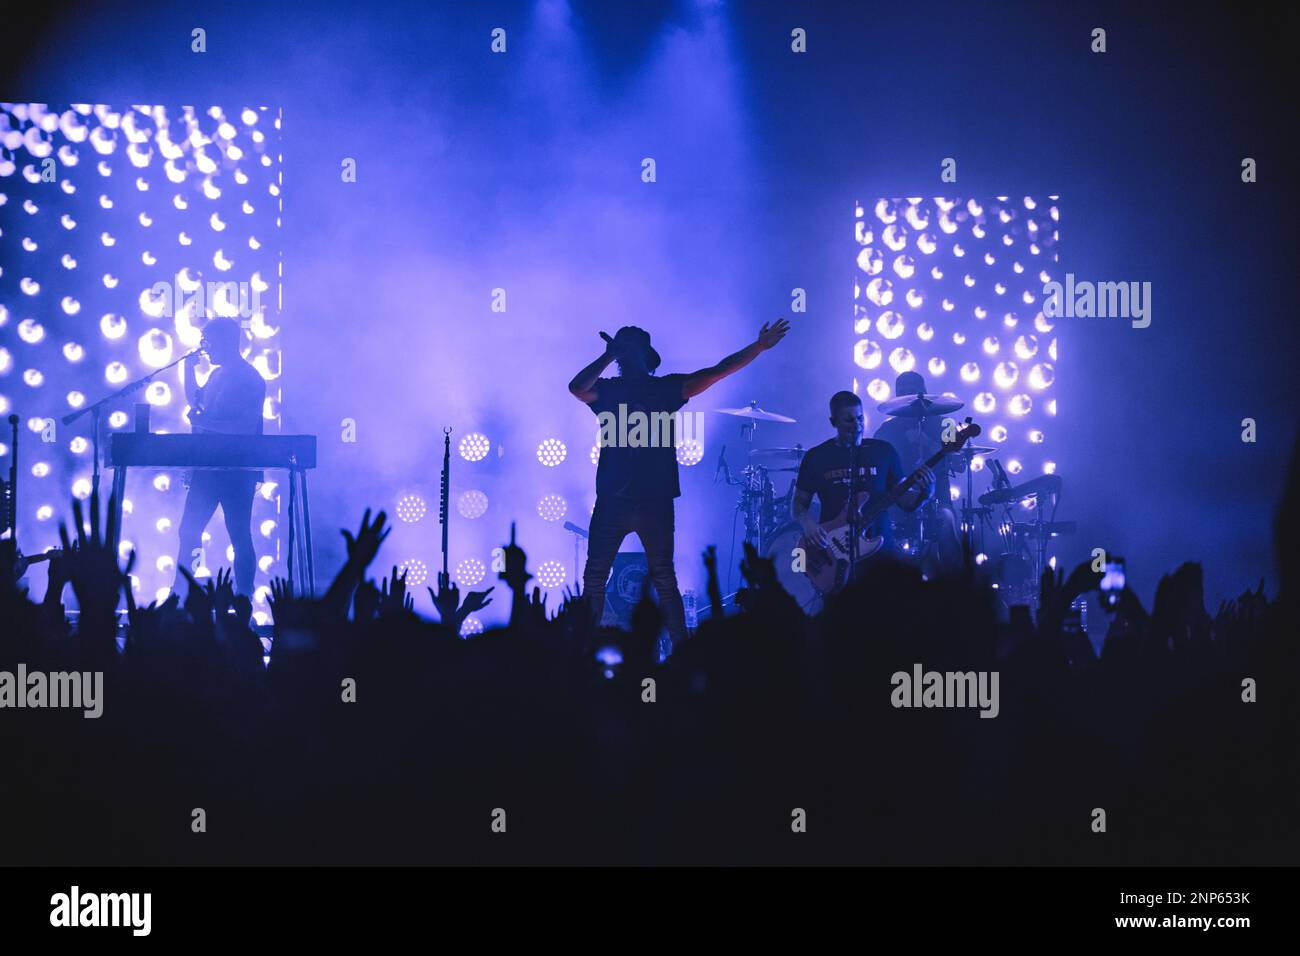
{"x": 920, "y": 406}
{"x": 752, "y": 411}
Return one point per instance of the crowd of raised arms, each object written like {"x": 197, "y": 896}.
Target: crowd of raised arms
{"x": 370, "y": 734}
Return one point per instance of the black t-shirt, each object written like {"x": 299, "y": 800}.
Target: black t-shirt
{"x": 826, "y": 472}
{"x": 638, "y": 463}
{"x": 914, "y": 448}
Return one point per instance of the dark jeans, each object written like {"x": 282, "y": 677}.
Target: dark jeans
{"x": 651, "y": 519}
{"x": 233, "y": 490}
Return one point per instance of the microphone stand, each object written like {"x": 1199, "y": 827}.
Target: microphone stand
{"x": 442, "y": 503}
{"x": 853, "y": 511}
{"x": 96, "y": 408}
{"x": 12, "y": 503}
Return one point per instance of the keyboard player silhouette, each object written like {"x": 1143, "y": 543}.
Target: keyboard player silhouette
{"x": 229, "y": 403}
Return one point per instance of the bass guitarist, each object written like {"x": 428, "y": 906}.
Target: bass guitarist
{"x": 827, "y": 472}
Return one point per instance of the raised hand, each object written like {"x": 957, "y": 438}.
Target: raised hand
{"x": 286, "y": 609}
{"x": 93, "y": 568}
{"x": 769, "y": 336}
{"x": 476, "y": 601}
{"x": 516, "y": 573}
{"x": 446, "y": 599}
{"x": 201, "y": 599}
{"x": 363, "y": 548}
{"x": 58, "y": 576}
{"x": 393, "y": 593}
{"x": 223, "y": 596}
{"x": 760, "y": 572}
{"x": 537, "y": 607}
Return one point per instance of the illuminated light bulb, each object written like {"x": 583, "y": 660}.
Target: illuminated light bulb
{"x": 474, "y": 446}
{"x": 158, "y": 393}
{"x": 415, "y": 570}
{"x": 551, "y": 452}
{"x": 552, "y": 507}
{"x": 985, "y": 403}
{"x": 550, "y": 574}
{"x": 31, "y": 331}
{"x": 1041, "y": 376}
{"x": 1020, "y": 405}
{"x": 890, "y": 325}
{"x": 970, "y": 372}
{"x": 472, "y": 504}
{"x": 470, "y": 572}
{"x": 880, "y": 291}
{"x": 1026, "y": 347}
{"x": 991, "y": 345}
{"x": 902, "y": 360}
{"x": 878, "y": 389}
{"x": 937, "y": 366}
{"x": 1005, "y": 374}
{"x": 689, "y": 452}
{"x": 925, "y": 331}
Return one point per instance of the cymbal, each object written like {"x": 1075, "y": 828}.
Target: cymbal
{"x": 789, "y": 454}
{"x": 973, "y": 450}
{"x": 1042, "y": 485}
{"x": 752, "y": 411}
{"x": 920, "y": 406}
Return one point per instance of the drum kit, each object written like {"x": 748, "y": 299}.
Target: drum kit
{"x": 1016, "y": 549}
